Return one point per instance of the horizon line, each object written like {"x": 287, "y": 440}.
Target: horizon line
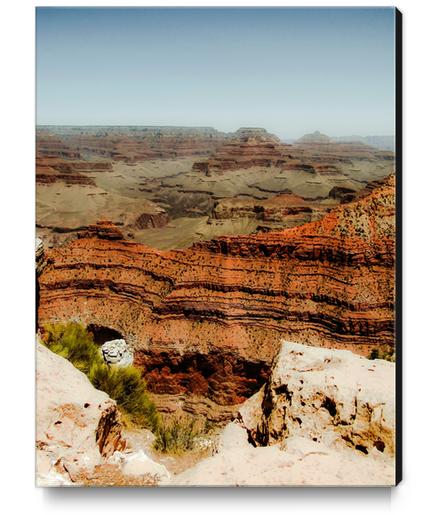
{"x": 194, "y": 127}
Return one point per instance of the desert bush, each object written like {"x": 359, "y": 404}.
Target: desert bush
{"x": 387, "y": 353}
{"x": 178, "y": 435}
{"x": 73, "y": 342}
{"x": 124, "y": 385}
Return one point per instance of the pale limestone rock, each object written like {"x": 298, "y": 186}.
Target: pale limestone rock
{"x": 140, "y": 464}
{"x": 117, "y": 352}
{"x": 300, "y": 462}
{"x": 323, "y": 393}
{"x": 342, "y": 401}
{"x": 76, "y": 425}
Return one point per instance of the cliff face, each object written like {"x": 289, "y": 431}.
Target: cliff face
{"x": 129, "y": 144}
{"x": 216, "y": 312}
{"x": 246, "y": 150}
{"x": 263, "y": 150}
{"x": 53, "y": 169}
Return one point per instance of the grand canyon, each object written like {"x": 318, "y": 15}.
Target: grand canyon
{"x": 252, "y": 282}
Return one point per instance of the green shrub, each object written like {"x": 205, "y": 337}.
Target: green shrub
{"x": 177, "y": 436}
{"x": 387, "y": 353}
{"x": 73, "y": 342}
{"x": 124, "y": 385}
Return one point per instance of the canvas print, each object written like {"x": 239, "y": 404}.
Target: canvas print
{"x": 216, "y": 246}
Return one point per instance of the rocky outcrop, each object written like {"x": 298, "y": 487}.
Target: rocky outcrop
{"x": 314, "y": 137}
{"x": 298, "y": 462}
{"x": 326, "y": 396}
{"x": 279, "y": 211}
{"x": 52, "y": 169}
{"x": 246, "y": 151}
{"x": 219, "y": 309}
{"x": 324, "y": 417}
{"x": 153, "y": 220}
{"x": 77, "y": 426}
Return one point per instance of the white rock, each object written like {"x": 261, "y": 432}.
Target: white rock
{"x": 301, "y": 462}
{"x": 117, "y": 352}
{"x": 314, "y": 400}
{"x": 139, "y": 464}
{"x": 76, "y": 425}
{"x": 313, "y": 391}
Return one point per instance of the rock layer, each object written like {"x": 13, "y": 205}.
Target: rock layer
{"x": 329, "y": 283}
{"x": 315, "y": 154}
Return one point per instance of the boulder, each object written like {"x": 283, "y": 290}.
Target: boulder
{"x": 77, "y": 426}
{"x": 117, "y": 352}
{"x": 140, "y": 464}
{"x": 320, "y": 393}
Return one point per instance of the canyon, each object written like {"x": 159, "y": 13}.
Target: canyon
{"x": 206, "y": 322}
{"x": 169, "y": 187}
{"x": 206, "y": 254}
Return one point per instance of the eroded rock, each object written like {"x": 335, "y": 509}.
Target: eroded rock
{"x": 315, "y": 422}
{"x": 117, "y": 352}
{"x": 77, "y": 426}
{"x": 328, "y": 395}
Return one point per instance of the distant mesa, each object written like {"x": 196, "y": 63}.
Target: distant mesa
{"x": 257, "y": 133}
{"x": 314, "y": 137}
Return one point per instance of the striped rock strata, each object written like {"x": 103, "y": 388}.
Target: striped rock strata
{"x": 208, "y": 320}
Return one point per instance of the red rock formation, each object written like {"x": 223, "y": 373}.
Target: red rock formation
{"x": 284, "y": 210}
{"x": 129, "y": 144}
{"x": 49, "y": 145}
{"x": 245, "y": 152}
{"x": 248, "y": 151}
{"x": 53, "y": 169}
{"x": 329, "y": 283}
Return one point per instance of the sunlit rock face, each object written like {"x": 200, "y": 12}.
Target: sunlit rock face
{"x": 329, "y": 396}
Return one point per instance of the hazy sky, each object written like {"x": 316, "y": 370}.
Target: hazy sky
{"x": 291, "y": 71}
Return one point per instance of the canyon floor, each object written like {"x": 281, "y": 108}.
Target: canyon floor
{"x": 256, "y": 183}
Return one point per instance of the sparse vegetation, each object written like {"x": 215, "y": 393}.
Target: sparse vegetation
{"x": 387, "y": 353}
{"x": 178, "y": 435}
{"x": 123, "y": 384}
{"x": 73, "y": 342}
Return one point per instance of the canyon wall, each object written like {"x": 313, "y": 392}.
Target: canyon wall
{"x": 208, "y": 320}
{"x": 129, "y": 144}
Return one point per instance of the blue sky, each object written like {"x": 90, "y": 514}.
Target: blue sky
{"x": 291, "y": 71}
